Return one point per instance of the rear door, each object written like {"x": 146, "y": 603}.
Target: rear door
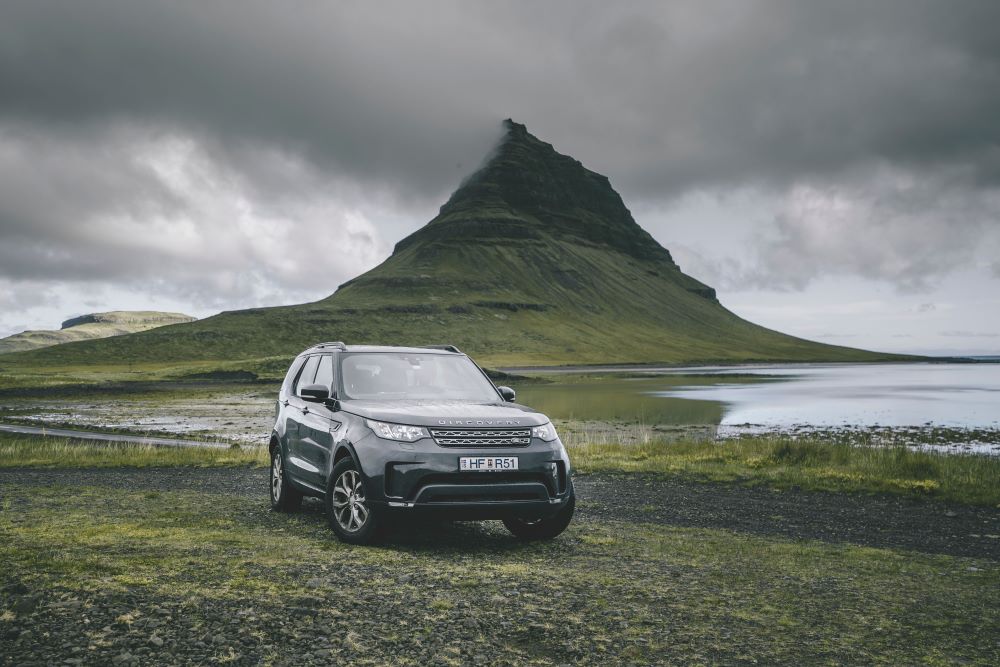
{"x": 296, "y": 428}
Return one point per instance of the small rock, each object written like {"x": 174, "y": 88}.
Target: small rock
{"x": 218, "y": 639}
{"x": 315, "y": 582}
{"x": 25, "y": 605}
{"x": 16, "y": 588}
{"x": 950, "y": 514}
{"x": 156, "y": 641}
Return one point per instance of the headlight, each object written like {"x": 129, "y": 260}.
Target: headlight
{"x": 546, "y": 432}
{"x": 397, "y": 431}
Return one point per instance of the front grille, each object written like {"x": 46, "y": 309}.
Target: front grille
{"x": 478, "y": 497}
{"x": 477, "y": 437}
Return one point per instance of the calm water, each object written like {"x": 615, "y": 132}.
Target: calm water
{"x": 961, "y": 397}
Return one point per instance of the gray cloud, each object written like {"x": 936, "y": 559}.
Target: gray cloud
{"x": 885, "y": 225}
{"x": 189, "y": 147}
{"x": 971, "y": 334}
{"x": 128, "y": 206}
{"x": 882, "y": 223}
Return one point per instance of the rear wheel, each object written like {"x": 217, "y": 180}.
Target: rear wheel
{"x": 284, "y": 497}
{"x": 545, "y": 528}
{"x": 347, "y": 507}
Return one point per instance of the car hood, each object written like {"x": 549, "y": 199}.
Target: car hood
{"x": 459, "y": 414}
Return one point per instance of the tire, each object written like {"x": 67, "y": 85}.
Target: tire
{"x": 546, "y": 528}
{"x": 350, "y": 516}
{"x": 284, "y": 497}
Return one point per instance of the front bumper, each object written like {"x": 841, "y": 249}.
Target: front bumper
{"x": 425, "y": 477}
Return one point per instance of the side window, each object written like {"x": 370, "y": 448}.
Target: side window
{"x": 293, "y": 372}
{"x": 324, "y": 375}
{"x": 307, "y": 374}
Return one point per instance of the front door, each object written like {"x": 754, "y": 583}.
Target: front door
{"x": 319, "y": 424}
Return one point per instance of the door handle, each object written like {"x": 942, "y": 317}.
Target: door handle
{"x": 305, "y": 410}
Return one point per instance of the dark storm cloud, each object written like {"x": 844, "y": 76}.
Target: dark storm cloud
{"x": 187, "y": 144}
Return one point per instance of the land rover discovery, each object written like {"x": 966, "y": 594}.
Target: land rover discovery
{"x": 386, "y": 432}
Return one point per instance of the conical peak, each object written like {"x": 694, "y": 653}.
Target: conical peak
{"x": 526, "y": 188}
{"x": 514, "y": 128}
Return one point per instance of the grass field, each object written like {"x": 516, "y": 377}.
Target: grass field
{"x": 18, "y": 451}
{"x": 211, "y": 577}
{"x": 776, "y": 462}
{"x": 808, "y": 464}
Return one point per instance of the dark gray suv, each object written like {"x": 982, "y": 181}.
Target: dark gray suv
{"x": 384, "y": 432}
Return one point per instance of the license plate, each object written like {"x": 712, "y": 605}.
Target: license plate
{"x": 487, "y": 463}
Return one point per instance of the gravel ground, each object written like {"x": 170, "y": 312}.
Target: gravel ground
{"x": 220, "y": 579}
{"x": 876, "y": 521}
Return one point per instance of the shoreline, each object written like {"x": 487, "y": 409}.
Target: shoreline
{"x": 676, "y": 367}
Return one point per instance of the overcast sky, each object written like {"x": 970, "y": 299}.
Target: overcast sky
{"x": 832, "y": 168}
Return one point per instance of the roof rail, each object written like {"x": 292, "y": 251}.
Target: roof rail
{"x": 446, "y": 348}
{"x": 337, "y": 344}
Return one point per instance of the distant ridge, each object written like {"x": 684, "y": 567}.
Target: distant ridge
{"x": 533, "y": 260}
{"x": 91, "y": 326}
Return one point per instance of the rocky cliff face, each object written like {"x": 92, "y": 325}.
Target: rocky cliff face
{"x": 128, "y": 318}
{"x": 527, "y": 188}
{"x": 93, "y": 325}
{"x": 535, "y": 201}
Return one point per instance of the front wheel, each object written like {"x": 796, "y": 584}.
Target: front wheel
{"x": 546, "y": 528}
{"x": 347, "y": 507}
{"x": 284, "y": 497}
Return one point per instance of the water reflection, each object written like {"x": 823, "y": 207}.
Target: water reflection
{"x": 955, "y": 395}
{"x": 629, "y": 400}
{"x": 963, "y": 399}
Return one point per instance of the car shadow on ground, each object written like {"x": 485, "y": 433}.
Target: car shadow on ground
{"x": 428, "y": 534}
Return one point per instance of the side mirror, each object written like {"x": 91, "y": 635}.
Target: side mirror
{"x": 315, "y": 393}
{"x": 507, "y": 393}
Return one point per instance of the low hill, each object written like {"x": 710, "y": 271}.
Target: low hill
{"x": 88, "y": 327}
{"x": 533, "y": 260}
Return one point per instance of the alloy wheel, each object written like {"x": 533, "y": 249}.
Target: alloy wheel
{"x": 349, "y": 502}
{"x": 277, "y": 477}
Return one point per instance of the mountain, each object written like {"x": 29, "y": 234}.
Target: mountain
{"x": 94, "y": 325}
{"x": 534, "y": 259}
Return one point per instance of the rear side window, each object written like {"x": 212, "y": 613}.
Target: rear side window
{"x": 307, "y": 375}
{"x": 293, "y": 372}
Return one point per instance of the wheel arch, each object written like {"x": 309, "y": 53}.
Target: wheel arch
{"x": 344, "y": 450}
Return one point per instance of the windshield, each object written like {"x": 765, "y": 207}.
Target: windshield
{"x": 387, "y": 376}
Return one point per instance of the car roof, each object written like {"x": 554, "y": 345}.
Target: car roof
{"x": 340, "y": 347}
